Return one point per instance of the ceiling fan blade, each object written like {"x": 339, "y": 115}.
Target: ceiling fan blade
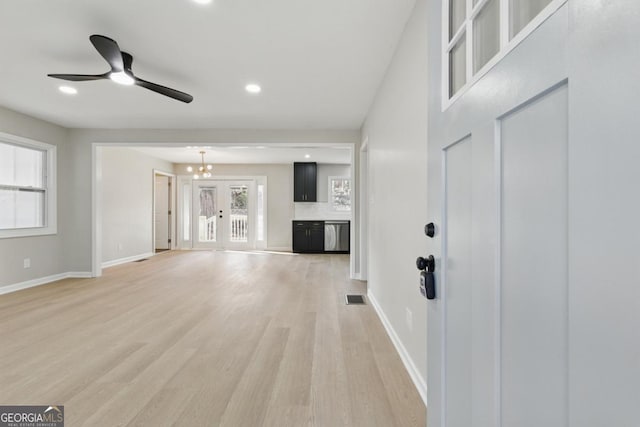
{"x": 78, "y": 77}
{"x": 109, "y": 50}
{"x": 163, "y": 90}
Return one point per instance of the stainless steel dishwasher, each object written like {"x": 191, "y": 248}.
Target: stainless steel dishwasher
{"x": 336, "y": 236}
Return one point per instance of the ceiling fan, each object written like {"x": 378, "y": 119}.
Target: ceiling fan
{"x": 121, "y": 73}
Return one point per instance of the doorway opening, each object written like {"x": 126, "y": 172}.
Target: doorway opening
{"x": 163, "y": 211}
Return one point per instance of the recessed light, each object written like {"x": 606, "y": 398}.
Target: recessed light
{"x": 68, "y": 90}
{"x": 306, "y": 156}
{"x": 202, "y": 1}
{"x": 253, "y": 88}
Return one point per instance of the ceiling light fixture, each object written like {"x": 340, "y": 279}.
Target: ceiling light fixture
{"x": 68, "y": 90}
{"x": 122, "y": 78}
{"x": 253, "y": 88}
{"x": 202, "y": 170}
{"x": 202, "y": 1}
{"x": 306, "y": 156}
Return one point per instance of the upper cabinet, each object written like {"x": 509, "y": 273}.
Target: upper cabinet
{"x": 305, "y": 182}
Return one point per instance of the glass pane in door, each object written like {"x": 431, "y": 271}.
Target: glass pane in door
{"x": 238, "y": 213}
{"x": 522, "y": 12}
{"x": 458, "y": 66}
{"x": 207, "y": 226}
{"x": 486, "y": 34}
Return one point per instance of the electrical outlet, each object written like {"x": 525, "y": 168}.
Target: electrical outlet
{"x": 27, "y": 263}
{"x": 409, "y": 319}
{"x": 119, "y": 246}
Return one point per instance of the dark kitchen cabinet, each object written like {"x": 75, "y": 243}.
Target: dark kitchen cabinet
{"x": 308, "y": 236}
{"x": 305, "y": 181}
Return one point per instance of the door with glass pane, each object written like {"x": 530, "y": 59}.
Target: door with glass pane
{"x": 207, "y": 215}
{"x": 222, "y": 216}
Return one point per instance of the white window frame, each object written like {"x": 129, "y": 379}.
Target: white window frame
{"x": 332, "y": 208}
{"x": 466, "y": 30}
{"x": 49, "y": 187}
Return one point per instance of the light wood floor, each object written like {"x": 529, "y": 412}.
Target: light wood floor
{"x": 206, "y": 339}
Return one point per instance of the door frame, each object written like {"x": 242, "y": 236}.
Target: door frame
{"x": 172, "y": 208}
{"x": 245, "y": 138}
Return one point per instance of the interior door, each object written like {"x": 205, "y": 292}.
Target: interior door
{"x": 162, "y": 207}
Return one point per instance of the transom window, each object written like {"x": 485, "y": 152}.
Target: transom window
{"x": 27, "y": 187}
{"x": 478, "y": 32}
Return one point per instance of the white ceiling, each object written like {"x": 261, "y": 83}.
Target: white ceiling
{"x": 319, "y": 62}
{"x": 245, "y": 154}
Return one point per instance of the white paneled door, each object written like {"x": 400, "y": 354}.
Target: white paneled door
{"x": 533, "y": 186}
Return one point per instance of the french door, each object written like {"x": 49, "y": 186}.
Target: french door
{"x": 222, "y": 214}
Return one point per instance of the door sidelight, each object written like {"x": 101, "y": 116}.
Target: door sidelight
{"x": 427, "y": 280}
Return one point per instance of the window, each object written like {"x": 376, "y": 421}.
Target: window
{"x": 340, "y": 194}
{"x": 27, "y": 187}
{"x": 478, "y": 32}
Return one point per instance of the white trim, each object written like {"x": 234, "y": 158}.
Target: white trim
{"x": 363, "y": 212}
{"x": 96, "y": 210}
{"x": 410, "y": 366}
{"x": 172, "y": 207}
{"x": 498, "y": 274}
{"x": 43, "y": 281}
{"x": 125, "y": 260}
{"x": 441, "y": 291}
{"x": 353, "y": 217}
{"x": 248, "y": 139}
{"x": 50, "y": 189}
{"x": 505, "y": 49}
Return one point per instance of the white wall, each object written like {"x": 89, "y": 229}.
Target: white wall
{"x": 127, "y": 202}
{"x": 396, "y": 127}
{"x": 46, "y": 252}
{"x": 279, "y": 196}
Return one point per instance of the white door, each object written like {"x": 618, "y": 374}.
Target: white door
{"x": 207, "y": 215}
{"x": 533, "y": 186}
{"x": 223, "y": 214}
{"x": 162, "y": 212}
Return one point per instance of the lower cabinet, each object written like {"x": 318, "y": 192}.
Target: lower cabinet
{"x": 308, "y": 236}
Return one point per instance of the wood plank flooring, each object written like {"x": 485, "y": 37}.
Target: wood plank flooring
{"x": 206, "y": 338}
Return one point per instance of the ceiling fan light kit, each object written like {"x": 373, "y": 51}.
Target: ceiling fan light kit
{"x": 121, "y": 73}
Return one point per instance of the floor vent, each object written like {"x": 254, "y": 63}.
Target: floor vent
{"x": 355, "y": 299}
{"x": 143, "y": 259}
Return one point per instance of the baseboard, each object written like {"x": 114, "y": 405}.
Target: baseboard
{"x": 43, "y": 281}
{"x": 278, "y": 249}
{"x": 126, "y": 260}
{"x": 79, "y": 275}
{"x": 417, "y": 379}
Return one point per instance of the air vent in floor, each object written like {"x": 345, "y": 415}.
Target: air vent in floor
{"x": 355, "y": 299}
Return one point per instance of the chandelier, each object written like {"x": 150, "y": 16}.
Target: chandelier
{"x": 203, "y": 171}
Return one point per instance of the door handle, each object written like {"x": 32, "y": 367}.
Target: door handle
{"x": 427, "y": 280}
